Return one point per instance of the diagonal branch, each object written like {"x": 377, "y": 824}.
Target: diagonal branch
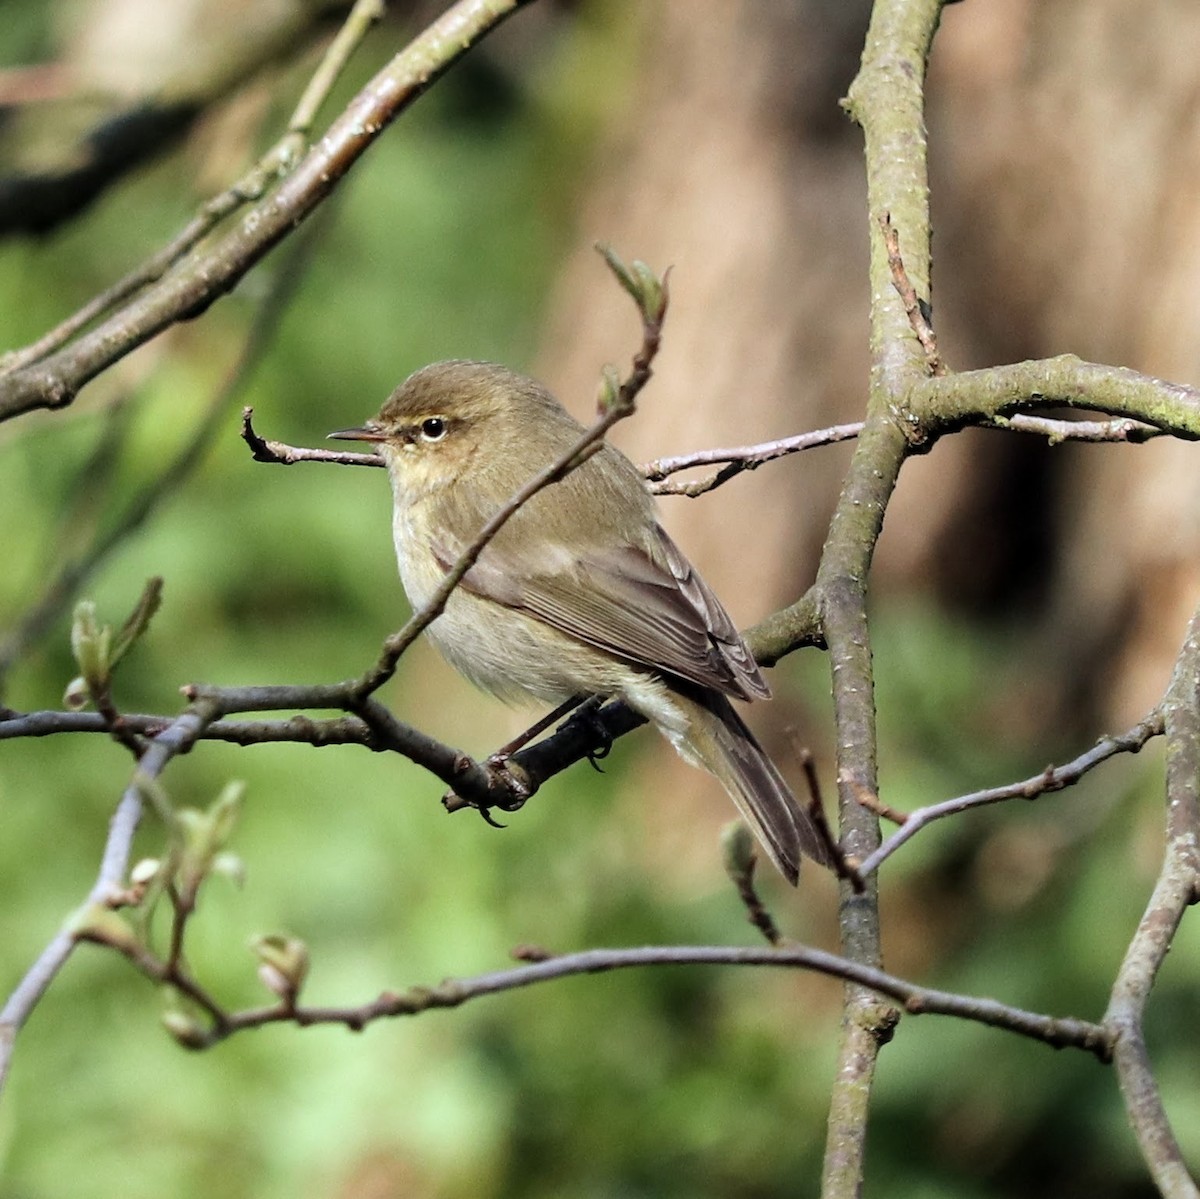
{"x": 280, "y": 158}
{"x": 618, "y": 401}
{"x": 54, "y": 381}
{"x": 1053, "y": 778}
{"x": 177, "y": 738}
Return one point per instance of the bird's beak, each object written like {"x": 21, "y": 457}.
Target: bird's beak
{"x": 365, "y": 433}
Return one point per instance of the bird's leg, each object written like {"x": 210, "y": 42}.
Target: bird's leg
{"x": 583, "y": 709}
{"x": 522, "y": 739}
{"x": 498, "y": 764}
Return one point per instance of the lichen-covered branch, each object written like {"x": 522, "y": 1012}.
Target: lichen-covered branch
{"x": 887, "y": 101}
{"x": 949, "y": 401}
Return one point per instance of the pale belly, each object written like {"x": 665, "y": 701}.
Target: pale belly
{"x": 516, "y": 656}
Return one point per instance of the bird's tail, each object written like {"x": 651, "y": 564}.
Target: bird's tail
{"x": 717, "y": 739}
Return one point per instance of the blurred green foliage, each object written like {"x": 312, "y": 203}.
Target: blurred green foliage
{"x": 670, "y": 1083}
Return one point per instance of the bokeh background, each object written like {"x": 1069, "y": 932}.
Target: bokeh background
{"x": 1027, "y": 598}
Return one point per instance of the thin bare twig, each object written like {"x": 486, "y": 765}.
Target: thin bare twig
{"x": 304, "y": 730}
{"x": 741, "y": 858}
{"x": 1118, "y": 429}
{"x": 737, "y": 459}
{"x": 1053, "y": 778}
{"x": 816, "y": 812}
{"x": 281, "y": 454}
{"x": 1058, "y": 1032}
{"x": 914, "y": 309}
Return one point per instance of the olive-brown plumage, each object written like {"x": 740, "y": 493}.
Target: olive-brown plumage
{"x": 581, "y": 591}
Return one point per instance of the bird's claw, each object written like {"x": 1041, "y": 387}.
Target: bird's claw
{"x": 597, "y": 755}
{"x": 588, "y": 716}
{"x": 488, "y": 818}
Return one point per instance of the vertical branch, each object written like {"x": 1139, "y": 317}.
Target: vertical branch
{"x": 1178, "y": 886}
{"x": 887, "y": 100}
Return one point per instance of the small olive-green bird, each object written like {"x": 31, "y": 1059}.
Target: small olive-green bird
{"x": 581, "y": 592}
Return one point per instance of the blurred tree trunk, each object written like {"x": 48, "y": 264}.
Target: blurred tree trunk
{"x": 1068, "y": 217}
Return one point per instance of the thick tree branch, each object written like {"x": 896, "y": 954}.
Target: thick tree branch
{"x": 277, "y": 161}
{"x": 886, "y": 99}
{"x": 949, "y": 401}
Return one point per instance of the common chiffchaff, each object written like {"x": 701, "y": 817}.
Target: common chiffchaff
{"x": 581, "y": 592}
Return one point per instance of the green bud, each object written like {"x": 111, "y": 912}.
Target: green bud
{"x": 737, "y": 850}
{"x": 77, "y": 696}
{"x": 283, "y": 963}
{"x": 95, "y": 922}
{"x": 608, "y": 394}
{"x": 224, "y": 811}
{"x": 139, "y": 619}
{"x": 203, "y": 836}
{"x": 155, "y": 794}
{"x": 190, "y": 1032}
{"x": 145, "y": 872}
{"x": 231, "y": 866}
{"x": 652, "y": 293}
{"x": 91, "y": 644}
{"x": 620, "y": 270}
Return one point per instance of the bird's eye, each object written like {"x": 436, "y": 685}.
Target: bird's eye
{"x": 433, "y": 428}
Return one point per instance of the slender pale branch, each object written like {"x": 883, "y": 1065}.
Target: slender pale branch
{"x": 1053, "y": 778}
{"x": 1177, "y": 887}
{"x": 733, "y": 461}
{"x": 175, "y": 739}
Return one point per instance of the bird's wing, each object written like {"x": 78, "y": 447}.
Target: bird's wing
{"x": 650, "y": 608}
